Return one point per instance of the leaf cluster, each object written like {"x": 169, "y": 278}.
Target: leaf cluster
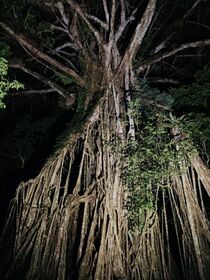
{"x": 152, "y": 159}
{"x": 5, "y": 84}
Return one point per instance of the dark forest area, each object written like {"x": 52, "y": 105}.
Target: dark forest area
{"x": 105, "y": 139}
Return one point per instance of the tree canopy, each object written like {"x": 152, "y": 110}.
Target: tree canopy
{"x": 68, "y": 40}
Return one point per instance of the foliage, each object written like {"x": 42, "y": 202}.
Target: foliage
{"x": 193, "y": 101}
{"x": 152, "y": 158}
{"x": 153, "y": 95}
{"x": 5, "y": 84}
{"x": 4, "y": 50}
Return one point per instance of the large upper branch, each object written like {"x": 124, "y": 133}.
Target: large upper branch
{"x": 19, "y": 65}
{"x": 161, "y": 55}
{"x": 109, "y": 46}
{"x": 35, "y": 51}
{"x": 140, "y": 31}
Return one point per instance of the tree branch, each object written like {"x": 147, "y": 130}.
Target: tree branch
{"x": 106, "y": 10}
{"x": 186, "y": 15}
{"x": 160, "y": 56}
{"x": 65, "y": 45}
{"x": 33, "y": 91}
{"x": 192, "y": 8}
{"x": 30, "y": 46}
{"x": 123, "y": 25}
{"x": 74, "y": 37}
{"x": 140, "y": 32}
{"x": 108, "y": 47}
{"x": 55, "y": 27}
{"x": 61, "y": 91}
{"x": 62, "y": 12}
{"x": 76, "y": 8}
{"x": 112, "y": 20}
{"x": 104, "y": 25}
{"x": 163, "y": 44}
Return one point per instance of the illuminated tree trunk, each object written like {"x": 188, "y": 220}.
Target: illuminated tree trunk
{"x": 71, "y": 222}
{"x": 70, "y": 219}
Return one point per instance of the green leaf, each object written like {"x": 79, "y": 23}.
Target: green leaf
{"x": 5, "y": 84}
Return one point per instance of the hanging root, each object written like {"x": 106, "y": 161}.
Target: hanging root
{"x": 70, "y": 221}
{"x": 190, "y": 220}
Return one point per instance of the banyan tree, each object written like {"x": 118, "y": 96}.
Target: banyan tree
{"x": 122, "y": 198}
